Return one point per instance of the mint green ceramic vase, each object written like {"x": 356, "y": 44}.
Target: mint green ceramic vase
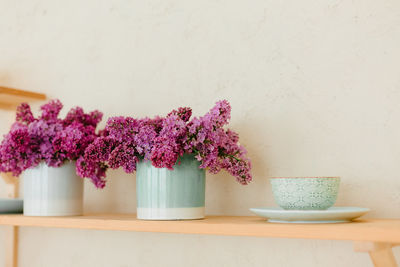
{"x": 164, "y": 194}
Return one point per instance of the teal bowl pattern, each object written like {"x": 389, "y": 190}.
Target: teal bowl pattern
{"x": 164, "y": 194}
{"x": 305, "y": 193}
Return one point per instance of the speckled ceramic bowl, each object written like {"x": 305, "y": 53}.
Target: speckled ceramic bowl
{"x": 305, "y": 193}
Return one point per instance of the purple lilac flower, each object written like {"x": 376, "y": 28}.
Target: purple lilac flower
{"x": 126, "y": 140}
{"x": 24, "y": 114}
{"x": 95, "y": 171}
{"x": 48, "y": 138}
{"x": 78, "y": 115}
{"x": 216, "y": 148}
{"x": 168, "y": 146}
{"x": 51, "y": 110}
{"x": 183, "y": 113}
{"x": 124, "y": 156}
{"x": 15, "y": 152}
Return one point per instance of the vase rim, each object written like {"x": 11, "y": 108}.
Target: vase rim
{"x": 43, "y": 163}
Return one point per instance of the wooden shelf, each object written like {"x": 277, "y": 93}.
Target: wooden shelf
{"x": 373, "y": 230}
{"x": 375, "y": 236}
{"x": 10, "y": 97}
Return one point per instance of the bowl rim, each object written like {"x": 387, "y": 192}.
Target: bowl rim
{"x": 305, "y": 177}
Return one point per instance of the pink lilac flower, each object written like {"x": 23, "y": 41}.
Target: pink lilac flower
{"x": 124, "y": 156}
{"x": 126, "y": 141}
{"x": 168, "y": 146}
{"x": 47, "y": 138}
{"x": 184, "y": 113}
{"x": 95, "y": 171}
{"x": 24, "y": 114}
{"x": 51, "y": 110}
{"x": 165, "y": 153}
{"x": 15, "y": 152}
{"x": 215, "y": 147}
{"x": 78, "y": 115}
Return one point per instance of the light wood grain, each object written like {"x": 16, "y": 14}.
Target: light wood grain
{"x": 381, "y": 253}
{"x": 10, "y": 97}
{"x": 374, "y": 230}
{"x": 11, "y": 246}
{"x": 383, "y": 258}
{"x": 11, "y": 232}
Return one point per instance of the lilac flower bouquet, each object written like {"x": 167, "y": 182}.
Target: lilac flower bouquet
{"x": 163, "y": 140}
{"x": 47, "y": 138}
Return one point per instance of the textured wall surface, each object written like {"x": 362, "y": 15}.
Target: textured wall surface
{"x": 314, "y": 87}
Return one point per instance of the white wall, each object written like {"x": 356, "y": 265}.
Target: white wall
{"x": 314, "y": 87}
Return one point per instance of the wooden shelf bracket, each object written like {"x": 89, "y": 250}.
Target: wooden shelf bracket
{"x": 380, "y": 252}
{"x": 11, "y": 231}
{"x": 10, "y": 98}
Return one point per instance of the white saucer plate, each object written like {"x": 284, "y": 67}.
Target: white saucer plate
{"x": 11, "y": 205}
{"x": 331, "y": 215}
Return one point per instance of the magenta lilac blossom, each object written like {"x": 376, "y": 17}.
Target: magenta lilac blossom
{"x": 162, "y": 140}
{"x": 47, "y": 138}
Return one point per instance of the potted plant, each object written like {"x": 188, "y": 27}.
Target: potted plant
{"x": 45, "y": 150}
{"x": 170, "y": 155}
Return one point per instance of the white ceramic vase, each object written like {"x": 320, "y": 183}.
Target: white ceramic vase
{"x": 50, "y": 191}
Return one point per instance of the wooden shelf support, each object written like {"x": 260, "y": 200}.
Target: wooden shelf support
{"x": 10, "y": 97}
{"x": 11, "y": 231}
{"x": 380, "y": 252}
{"x": 11, "y": 249}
